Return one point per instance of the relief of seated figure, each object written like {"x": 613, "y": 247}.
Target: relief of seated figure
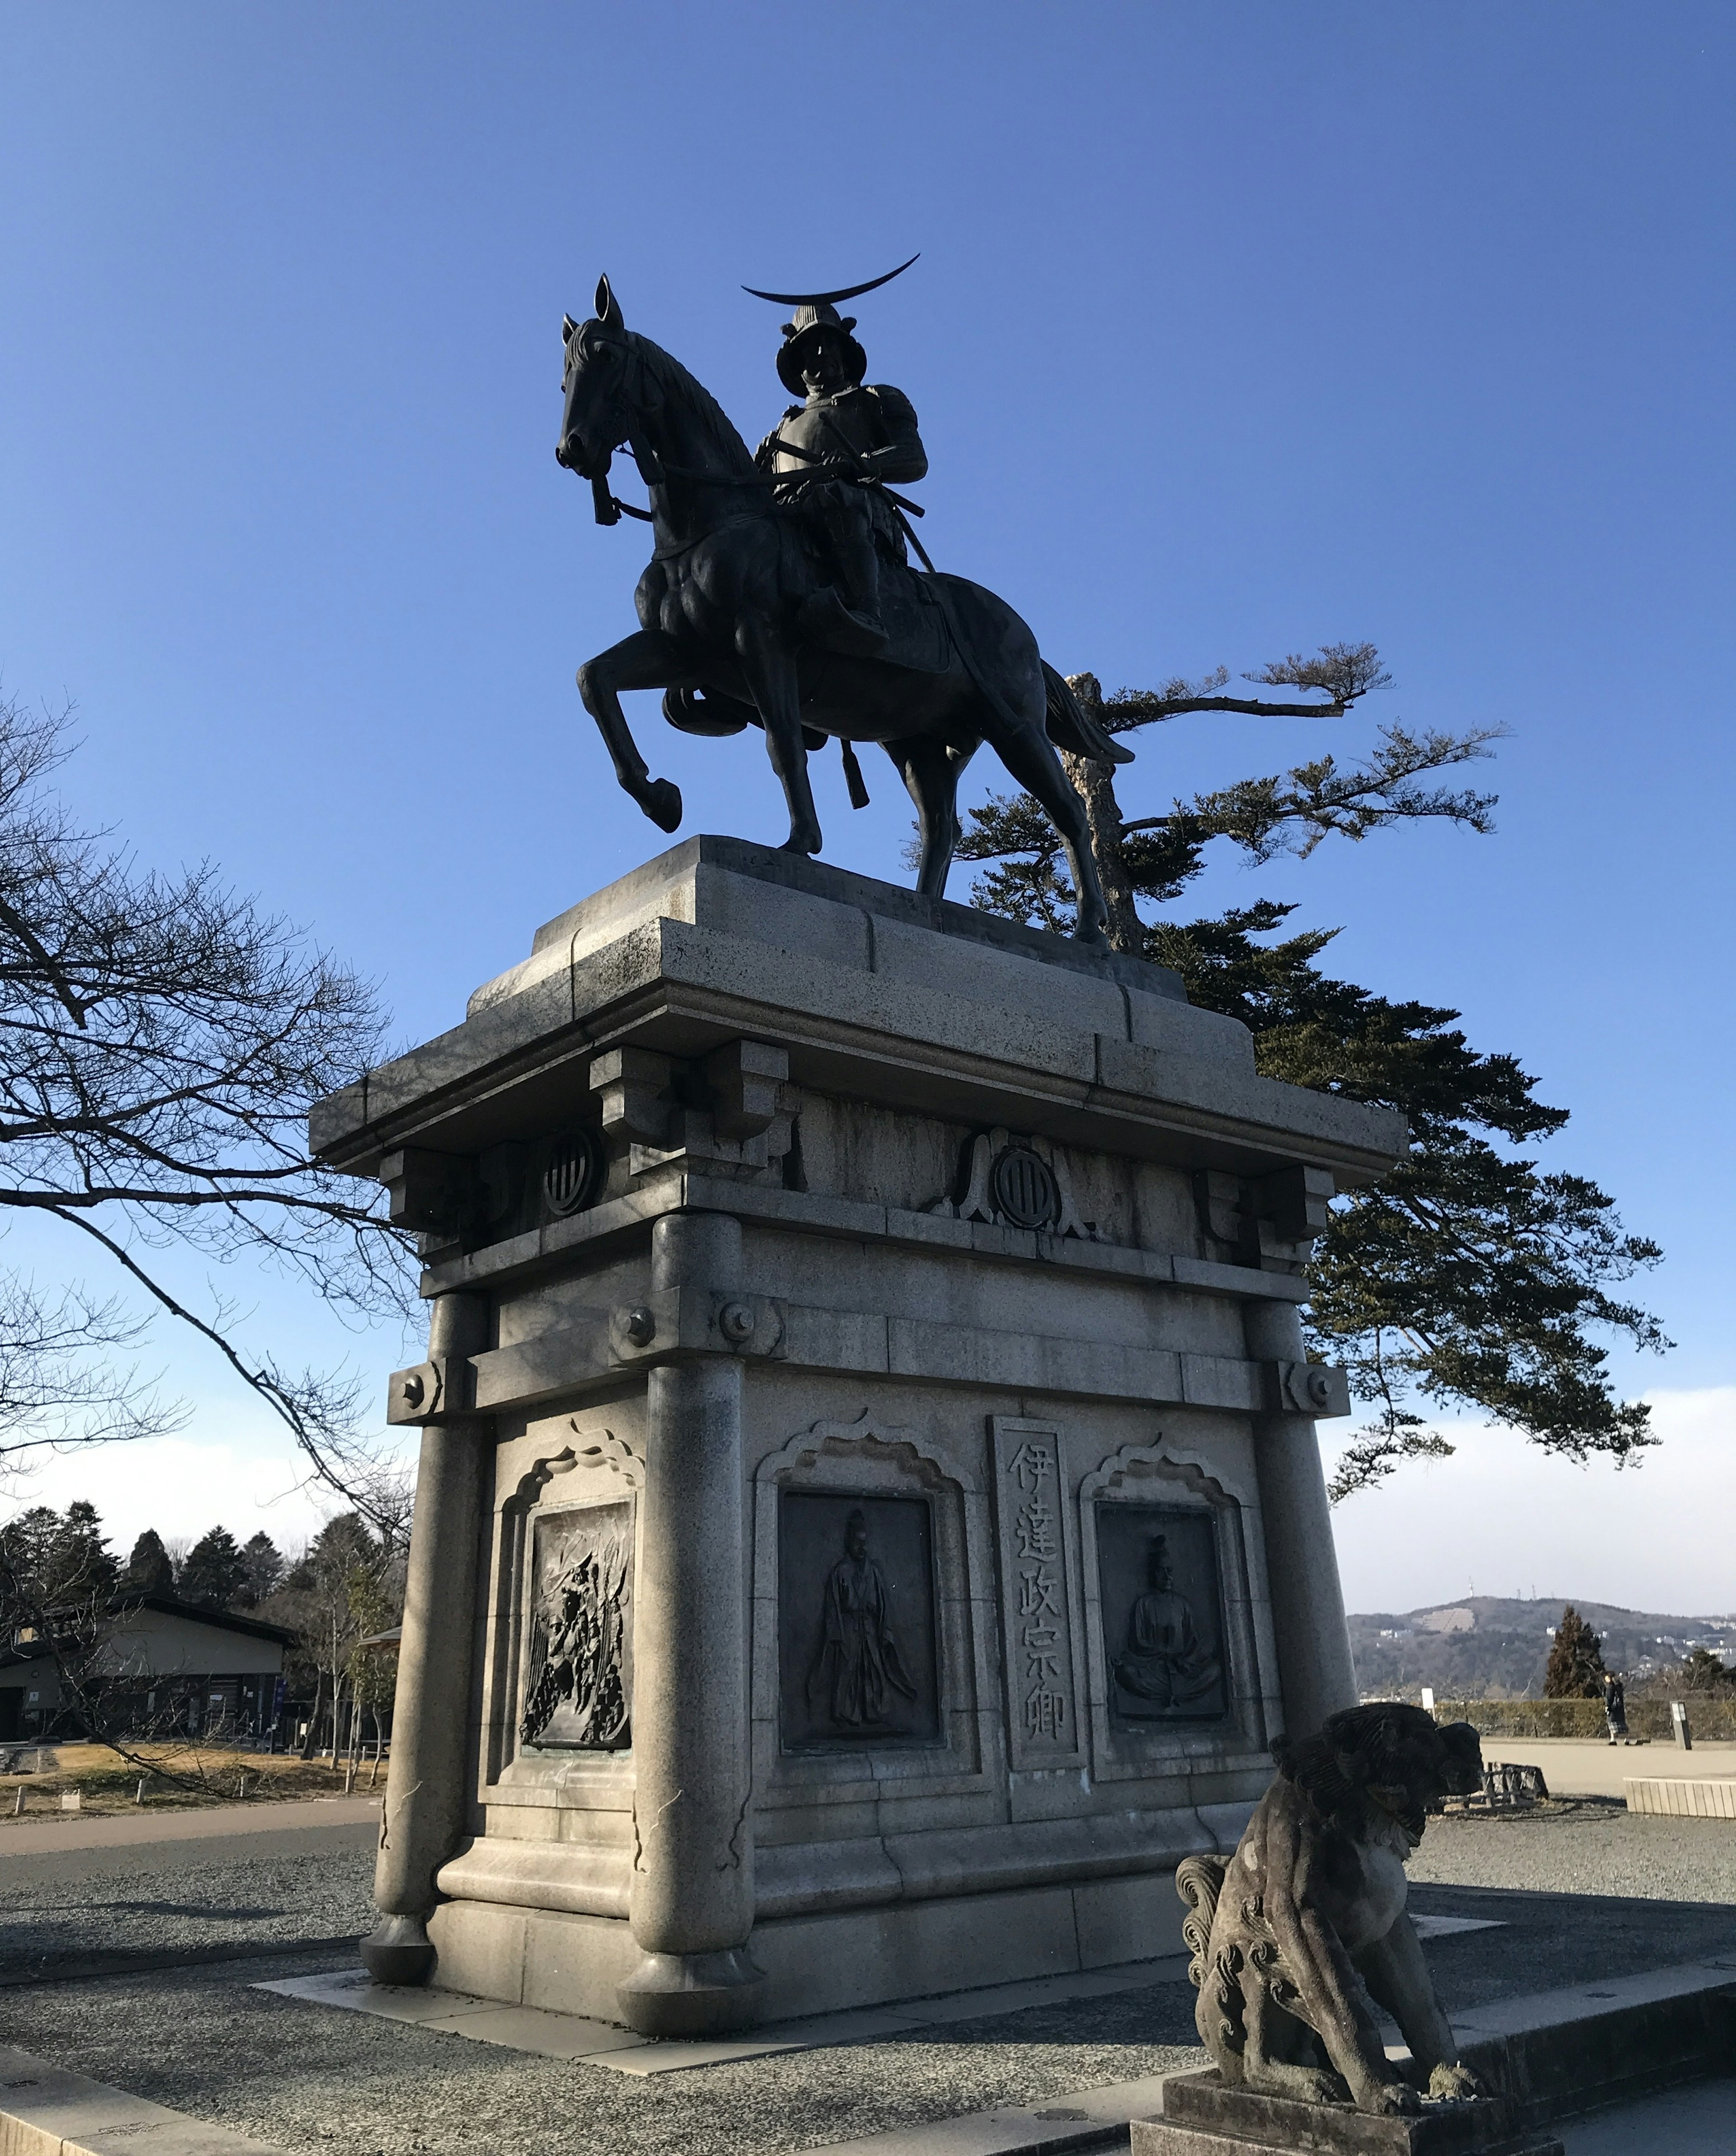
{"x": 1165, "y": 1660}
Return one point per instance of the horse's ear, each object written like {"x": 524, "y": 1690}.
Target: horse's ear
{"x": 568, "y": 327}
{"x": 608, "y": 308}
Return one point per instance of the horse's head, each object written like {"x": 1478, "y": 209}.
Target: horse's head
{"x": 597, "y": 412}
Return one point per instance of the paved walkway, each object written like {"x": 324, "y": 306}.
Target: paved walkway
{"x": 39, "y": 1852}
{"x": 1572, "y": 1769}
{"x": 1699, "y": 2120}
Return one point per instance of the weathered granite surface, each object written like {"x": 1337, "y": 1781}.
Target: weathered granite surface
{"x": 858, "y": 1255}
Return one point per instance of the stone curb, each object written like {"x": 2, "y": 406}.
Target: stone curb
{"x": 48, "y": 2110}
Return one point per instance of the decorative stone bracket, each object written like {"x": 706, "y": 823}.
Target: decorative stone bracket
{"x": 690, "y": 1320}
{"x": 1268, "y": 1221}
{"x": 725, "y": 1112}
{"x": 438, "y": 1390}
{"x": 1321, "y": 1389}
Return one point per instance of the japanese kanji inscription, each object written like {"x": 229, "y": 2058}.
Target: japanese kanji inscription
{"x": 1043, "y": 1710}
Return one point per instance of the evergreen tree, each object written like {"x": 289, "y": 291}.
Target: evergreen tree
{"x": 55, "y": 1568}
{"x": 1703, "y": 1671}
{"x": 215, "y": 1574}
{"x": 264, "y": 1566}
{"x": 1576, "y": 1660}
{"x": 148, "y": 1569}
{"x": 1467, "y": 1277}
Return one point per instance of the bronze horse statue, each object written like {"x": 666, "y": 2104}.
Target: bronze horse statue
{"x": 717, "y": 608}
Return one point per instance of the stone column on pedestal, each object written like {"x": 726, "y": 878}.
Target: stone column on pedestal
{"x": 428, "y": 1793}
{"x": 692, "y": 1904}
{"x": 1315, "y": 1672}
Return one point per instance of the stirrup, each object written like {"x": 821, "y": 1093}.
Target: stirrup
{"x": 825, "y": 619}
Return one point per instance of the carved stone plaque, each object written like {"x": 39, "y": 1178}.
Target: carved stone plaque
{"x": 1162, "y": 1614}
{"x": 856, "y": 1655}
{"x": 578, "y": 1666}
{"x": 1043, "y": 1726}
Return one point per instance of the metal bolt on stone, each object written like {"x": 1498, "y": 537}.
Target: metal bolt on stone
{"x": 640, "y": 1326}
{"x": 735, "y": 1322}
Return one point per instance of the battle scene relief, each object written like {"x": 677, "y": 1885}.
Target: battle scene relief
{"x": 578, "y": 1688}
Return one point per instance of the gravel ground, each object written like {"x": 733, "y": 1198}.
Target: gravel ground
{"x": 141, "y": 1910}
{"x": 1593, "y": 1846}
{"x": 315, "y": 2080}
{"x": 1581, "y": 1892}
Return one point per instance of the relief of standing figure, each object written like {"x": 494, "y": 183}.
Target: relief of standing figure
{"x": 857, "y": 1666}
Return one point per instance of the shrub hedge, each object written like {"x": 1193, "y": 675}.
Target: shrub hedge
{"x": 1707, "y": 1715}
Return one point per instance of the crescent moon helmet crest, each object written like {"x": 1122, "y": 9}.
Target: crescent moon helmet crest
{"x": 831, "y": 299}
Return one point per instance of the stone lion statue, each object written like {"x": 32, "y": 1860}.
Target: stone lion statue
{"x": 1286, "y": 1934}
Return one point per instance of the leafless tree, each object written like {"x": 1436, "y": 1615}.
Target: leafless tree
{"x": 160, "y": 1041}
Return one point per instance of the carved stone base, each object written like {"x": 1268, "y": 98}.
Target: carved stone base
{"x": 1202, "y": 2118}
{"x": 691, "y": 1995}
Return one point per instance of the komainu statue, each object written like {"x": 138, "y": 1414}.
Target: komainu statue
{"x": 1286, "y": 1934}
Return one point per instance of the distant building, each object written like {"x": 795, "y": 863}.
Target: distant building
{"x": 160, "y": 1666}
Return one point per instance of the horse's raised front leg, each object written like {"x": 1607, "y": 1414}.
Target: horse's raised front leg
{"x": 646, "y": 660}
{"x": 769, "y": 667}
{"x": 930, "y": 771}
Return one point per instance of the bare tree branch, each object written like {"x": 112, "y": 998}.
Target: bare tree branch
{"x": 162, "y": 1041}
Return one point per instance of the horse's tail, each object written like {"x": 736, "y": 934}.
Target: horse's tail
{"x": 1070, "y": 726}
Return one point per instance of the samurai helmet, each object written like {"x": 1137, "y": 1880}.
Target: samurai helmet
{"x": 800, "y": 337}
{"x": 817, "y": 311}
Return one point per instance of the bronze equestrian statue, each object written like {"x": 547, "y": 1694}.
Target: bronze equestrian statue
{"x": 778, "y": 594}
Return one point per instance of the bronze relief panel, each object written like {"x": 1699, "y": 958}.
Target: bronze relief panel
{"x": 579, "y": 1664}
{"x": 856, "y": 1642}
{"x": 1162, "y": 1613}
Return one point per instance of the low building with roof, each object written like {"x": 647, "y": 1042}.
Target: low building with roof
{"x": 159, "y": 1665}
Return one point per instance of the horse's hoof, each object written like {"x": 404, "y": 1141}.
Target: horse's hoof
{"x": 661, "y": 801}
{"x": 793, "y": 844}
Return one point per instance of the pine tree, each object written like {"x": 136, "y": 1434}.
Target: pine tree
{"x": 52, "y": 1561}
{"x": 1465, "y": 1278}
{"x": 1576, "y": 1660}
{"x": 148, "y": 1569}
{"x": 215, "y": 1573}
{"x": 1703, "y": 1671}
{"x": 264, "y": 1566}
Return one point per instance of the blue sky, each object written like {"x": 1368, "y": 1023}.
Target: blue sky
{"x": 1238, "y": 328}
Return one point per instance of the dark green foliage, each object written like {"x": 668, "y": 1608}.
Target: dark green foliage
{"x": 264, "y": 1566}
{"x": 148, "y": 1569}
{"x": 55, "y": 1567}
{"x": 1703, "y": 1671}
{"x": 1576, "y": 1662}
{"x": 1466, "y": 1279}
{"x": 215, "y": 1573}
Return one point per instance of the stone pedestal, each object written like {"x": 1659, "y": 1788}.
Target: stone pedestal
{"x": 871, "y": 1527}
{"x": 1202, "y": 2118}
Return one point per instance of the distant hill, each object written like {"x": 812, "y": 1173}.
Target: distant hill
{"x": 1487, "y": 1647}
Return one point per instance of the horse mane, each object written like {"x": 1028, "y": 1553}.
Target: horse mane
{"x": 717, "y": 429}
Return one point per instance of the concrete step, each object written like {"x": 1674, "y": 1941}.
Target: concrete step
{"x": 1544, "y": 2058}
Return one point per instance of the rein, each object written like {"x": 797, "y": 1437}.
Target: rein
{"x": 610, "y": 509}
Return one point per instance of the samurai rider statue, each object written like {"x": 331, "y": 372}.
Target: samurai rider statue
{"x": 836, "y": 452}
